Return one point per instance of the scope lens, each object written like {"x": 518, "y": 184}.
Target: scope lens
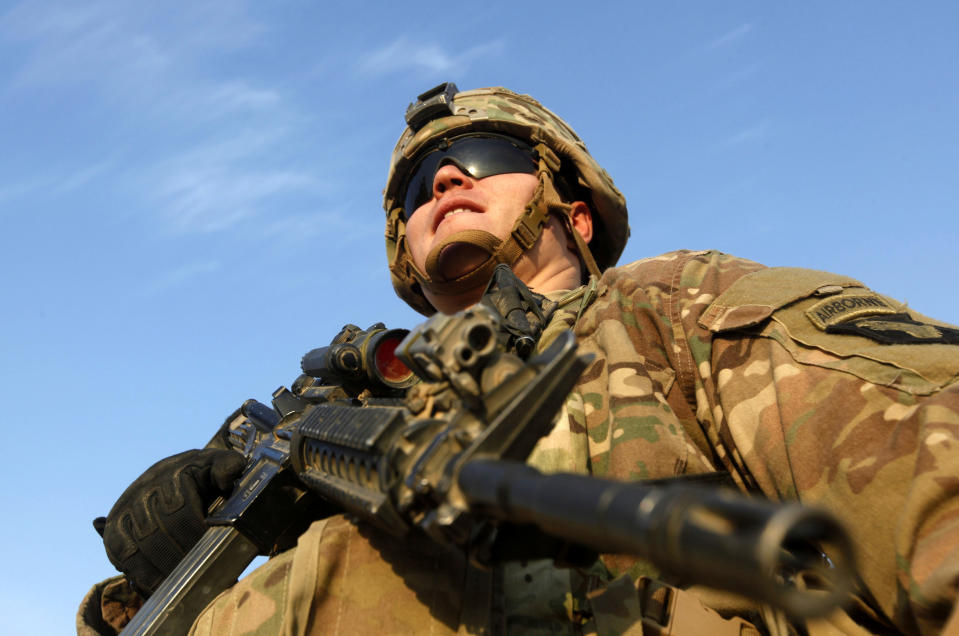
{"x": 390, "y": 368}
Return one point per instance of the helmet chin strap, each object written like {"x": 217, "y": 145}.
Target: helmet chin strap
{"x": 436, "y": 282}
{"x": 527, "y": 230}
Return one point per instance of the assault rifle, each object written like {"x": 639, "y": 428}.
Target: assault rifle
{"x": 445, "y": 457}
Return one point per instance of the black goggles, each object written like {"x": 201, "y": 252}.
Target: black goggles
{"x": 478, "y": 156}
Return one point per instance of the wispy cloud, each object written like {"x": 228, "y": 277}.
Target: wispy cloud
{"x": 177, "y": 277}
{"x": 213, "y": 201}
{"x": 144, "y": 61}
{"x": 343, "y": 225}
{"x": 231, "y": 172}
{"x": 79, "y": 45}
{"x": 208, "y": 102}
{"x": 105, "y": 41}
{"x": 53, "y": 184}
{"x": 32, "y": 20}
{"x": 738, "y": 76}
{"x": 405, "y": 54}
{"x": 81, "y": 177}
{"x": 235, "y": 169}
{"x": 731, "y": 36}
{"x": 217, "y": 25}
{"x": 240, "y": 95}
{"x": 13, "y": 191}
{"x": 220, "y": 183}
{"x": 756, "y": 132}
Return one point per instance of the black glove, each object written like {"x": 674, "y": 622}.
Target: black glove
{"x": 162, "y": 514}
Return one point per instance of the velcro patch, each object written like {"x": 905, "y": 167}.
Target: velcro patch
{"x": 837, "y": 309}
{"x": 897, "y": 329}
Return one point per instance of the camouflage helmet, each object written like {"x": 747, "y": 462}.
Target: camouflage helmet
{"x": 445, "y": 113}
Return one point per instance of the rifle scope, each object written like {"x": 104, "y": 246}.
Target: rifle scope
{"x": 361, "y": 355}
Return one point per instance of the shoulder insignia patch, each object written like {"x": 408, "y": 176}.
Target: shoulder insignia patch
{"x": 896, "y": 329}
{"x": 839, "y": 309}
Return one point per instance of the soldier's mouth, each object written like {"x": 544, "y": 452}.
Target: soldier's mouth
{"x": 453, "y": 208}
{"x": 456, "y": 211}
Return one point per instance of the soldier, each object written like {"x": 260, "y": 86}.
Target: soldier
{"x": 797, "y": 384}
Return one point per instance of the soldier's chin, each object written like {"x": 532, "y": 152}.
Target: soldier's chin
{"x": 460, "y": 259}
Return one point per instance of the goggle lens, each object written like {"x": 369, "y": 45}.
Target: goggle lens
{"x": 478, "y": 157}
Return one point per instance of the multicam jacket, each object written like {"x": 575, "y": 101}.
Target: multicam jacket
{"x": 799, "y": 384}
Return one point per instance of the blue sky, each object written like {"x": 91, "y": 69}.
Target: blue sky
{"x": 190, "y": 195}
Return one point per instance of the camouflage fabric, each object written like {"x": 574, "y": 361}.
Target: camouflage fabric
{"x": 334, "y": 582}
{"x": 704, "y": 363}
{"x": 107, "y": 607}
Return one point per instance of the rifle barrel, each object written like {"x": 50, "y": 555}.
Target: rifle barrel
{"x": 702, "y": 535}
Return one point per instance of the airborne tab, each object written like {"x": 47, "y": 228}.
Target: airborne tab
{"x": 846, "y": 306}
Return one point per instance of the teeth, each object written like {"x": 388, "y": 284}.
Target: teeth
{"x": 456, "y": 211}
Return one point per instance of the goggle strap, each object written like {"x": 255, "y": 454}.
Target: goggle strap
{"x": 547, "y": 155}
{"x": 552, "y": 203}
{"x": 530, "y": 224}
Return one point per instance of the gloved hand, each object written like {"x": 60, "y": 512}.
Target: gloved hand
{"x": 162, "y": 514}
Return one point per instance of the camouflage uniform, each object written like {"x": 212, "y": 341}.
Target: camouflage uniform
{"x": 704, "y": 363}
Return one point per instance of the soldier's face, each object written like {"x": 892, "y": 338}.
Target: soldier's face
{"x": 459, "y": 203}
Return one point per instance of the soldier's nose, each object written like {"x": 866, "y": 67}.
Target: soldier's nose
{"x": 449, "y": 177}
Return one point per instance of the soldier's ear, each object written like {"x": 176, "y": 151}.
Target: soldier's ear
{"x": 582, "y": 219}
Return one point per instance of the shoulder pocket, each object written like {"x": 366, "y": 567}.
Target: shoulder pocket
{"x": 835, "y": 322}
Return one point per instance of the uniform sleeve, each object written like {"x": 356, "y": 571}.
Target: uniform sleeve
{"x": 800, "y": 384}
{"x": 107, "y": 608}
{"x": 816, "y": 388}
{"x": 635, "y": 410}
{"x": 637, "y": 405}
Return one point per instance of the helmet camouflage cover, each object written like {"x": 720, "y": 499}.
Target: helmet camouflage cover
{"x": 499, "y": 110}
